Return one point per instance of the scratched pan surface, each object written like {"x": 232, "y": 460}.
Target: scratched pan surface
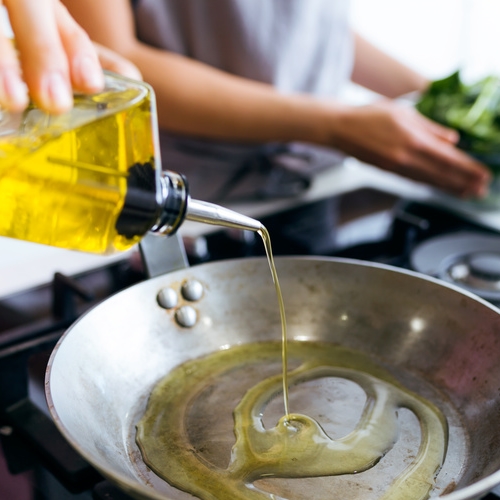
{"x": 440, "y": 342}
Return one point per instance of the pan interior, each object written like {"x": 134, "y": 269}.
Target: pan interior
{"x": 336, "y": 402}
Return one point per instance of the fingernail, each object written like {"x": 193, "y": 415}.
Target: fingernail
{"x": 478, "y": 191}
{"x": 91, "y": 73}
{"x": 56, "y": 94}
{"x": 13, "y": 91}
{"x": 453, "y": 136}
{"x": 483, "y": 191}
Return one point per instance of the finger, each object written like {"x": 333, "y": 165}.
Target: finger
{"x": 441, "y": 179}
{"x": 114, "y": 62}
{"x": 443, "y": 164}
{"x": 455, "y": 171}
{"x": 463, "y": 172}
{"x": 444, "y": 133}
{"x": 13, "y": 90}
{"x": 481, "y": 177}
{"x": 85, "y": 69}
{"x": 43, "y": 60}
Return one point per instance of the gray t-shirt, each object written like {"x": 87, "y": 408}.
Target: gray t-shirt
{"x": 295, "y": 45}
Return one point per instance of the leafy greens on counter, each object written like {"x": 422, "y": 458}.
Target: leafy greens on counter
{"x": 473, "y": 110}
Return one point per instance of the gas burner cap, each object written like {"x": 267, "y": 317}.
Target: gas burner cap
{"x": 486, "y": 265}
{"x": 467, "y": 259}
{"x": 480, "y": 270}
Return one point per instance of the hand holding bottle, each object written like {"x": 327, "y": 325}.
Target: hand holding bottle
{"x": 52, "y": 57}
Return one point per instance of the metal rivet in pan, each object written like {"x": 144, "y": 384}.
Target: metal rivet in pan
{"x": 167, "y": 298}
{"x": 192, "y": 290}
{"x": 186, "y": 316}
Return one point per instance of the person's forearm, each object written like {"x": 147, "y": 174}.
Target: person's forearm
{"x": 377, "y": 71}
{"x": 199, "y": 100}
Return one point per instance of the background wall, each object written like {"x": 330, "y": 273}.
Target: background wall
{"x": 434, "y": 36}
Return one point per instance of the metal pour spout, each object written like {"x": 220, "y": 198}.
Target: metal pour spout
{"x": 210, "y": 213}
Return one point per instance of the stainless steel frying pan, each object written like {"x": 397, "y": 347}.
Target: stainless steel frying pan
{"x": 437, "y": 340}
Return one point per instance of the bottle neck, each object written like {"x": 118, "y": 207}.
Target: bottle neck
{"x": 172, "y": 198}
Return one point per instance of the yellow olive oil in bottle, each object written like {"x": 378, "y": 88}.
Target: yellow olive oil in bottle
{"x": 89, "y": 179}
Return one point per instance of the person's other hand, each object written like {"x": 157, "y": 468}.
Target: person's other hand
{"x": 112, "y": 61}
{"x": 54, "y": 58}
{"x": 399, "y": 139}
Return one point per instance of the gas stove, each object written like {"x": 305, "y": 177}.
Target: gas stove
{"x": 36, "y": 463}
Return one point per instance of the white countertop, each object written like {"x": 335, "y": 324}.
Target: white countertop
{"x": 24, "y": 265}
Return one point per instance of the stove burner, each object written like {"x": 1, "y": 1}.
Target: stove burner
{"x": 479, "y": 270}
{"x": 467, "y": 259}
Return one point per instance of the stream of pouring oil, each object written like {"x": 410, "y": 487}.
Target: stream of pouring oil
{"x": 266, "y": 239}
{"x": 297, "y": 447}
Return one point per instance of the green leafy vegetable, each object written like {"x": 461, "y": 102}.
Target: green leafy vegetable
{"x": 473, "y": 110}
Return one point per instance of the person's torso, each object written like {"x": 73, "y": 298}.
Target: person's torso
{"x": 296, "y": 45}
